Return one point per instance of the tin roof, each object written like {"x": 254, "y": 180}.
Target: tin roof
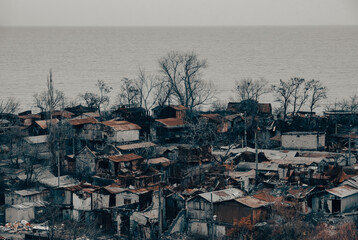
{"x": 36, "y": 139}
{"x": 136, "y": 146}
{"x": 115, "y": 189}
{"x": 124, "y": 158}
{"x": 343, "y": 191}
{"x": 212, "y": 116}
{"x": 233, "y": 116}
{"x": 30, "y": 116}
{"x": 64, "y": 113}
{"x": 161, "y": 160}
{"x": 121, "y": 125}
{"x": 178, "y": 107}
{"x": 29, "y": 192}
{"x": 251, "y": 202}
{"x": 78, "y": 121}
{"x": 43, "y": 123}
{"x": 172, "y": 122}
{"x": 222, "y": 195}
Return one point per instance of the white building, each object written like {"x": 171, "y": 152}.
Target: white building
{"x": 303, "y": 140}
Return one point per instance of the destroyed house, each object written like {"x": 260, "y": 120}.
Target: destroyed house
{"x": 216, "y": 120}
{"x": 140, "y": 179}
{"x": 168, "y": 129}
{"x": 171, "y": 111}
{"x": 113, "y": 196}
{"x": 137, "y": 147}
{"x": 116, "y": 164}
{"x": 203, "y": 207}
{"x": 40, "y": 127}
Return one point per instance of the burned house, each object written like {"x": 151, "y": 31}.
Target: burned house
{"x": 220, "y": 123}
{"x": 171, "y": 111}
{"x": 40, "y": 127}
{"x": 204, "y": 208}
{"x": 168, "y": 129}
{"x": 85, "y": 162}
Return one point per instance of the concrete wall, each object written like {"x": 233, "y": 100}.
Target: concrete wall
{"x": 11, "y": 198}
{"x": 349, "y": 203}
{"x": 125, "y": 136}
{"x": 100, "y": 200}
{"x": 303, "y": 141}
{"x": 126, "y": 195}
{"x": 82, "y": 203}
{"x": 14, "y": 214}
{"x": 198, "y": 208}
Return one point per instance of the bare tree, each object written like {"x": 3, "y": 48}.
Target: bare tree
{"x": 300, "y": 93}
{"x": 129, "y": 93}
{"x": 10, "y": 105}
{"x": 248, "y": 89}
{"x": 318, "y": 92}
{"x": 182, "y": 72}
{"x": 283, "y": 93}
{"x": 49, "y": 99}
{"x": 97, "y": 101}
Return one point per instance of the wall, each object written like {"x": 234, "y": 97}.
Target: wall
{"x": 198, "y": 208}
{"x": 302, "y": 141}
{"x": 349, "y": 203}
{"x": 14, "y": 214}
{"x": 11, "y": 198}
{"x": 85, "y": 163}
{"x": 125, "y": 136}
{"x": 126, "y": 195}
{"x": 81, "y": 203}
{"x": 100, "y": 200}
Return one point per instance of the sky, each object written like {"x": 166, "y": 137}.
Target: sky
{"x": 177, "y": 12}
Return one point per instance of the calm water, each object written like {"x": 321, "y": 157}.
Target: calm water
{"x": 81, "y": 56}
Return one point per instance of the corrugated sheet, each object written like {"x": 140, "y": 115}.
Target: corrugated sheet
{"x": 125, "y": 157}
{"x": 114, "y": 189}
{"x": 76, "y": 122}
{"x": 121, "y": 125}
{"x": 43, "y": 123}
{"x": 36, "y": 139}
{"x": 343, "y": 191}
{"x": 233, "y": 117}
{"x": 178, "y": 107}
{"x": 222, "y": 195}
{"x": 172, "y": 122}
{"x": 251, "y": 202}
{"x": 136, "y": 146}
{"x": 160, "y": 160}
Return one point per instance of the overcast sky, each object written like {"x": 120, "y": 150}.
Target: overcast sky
{"x": 177, "y": 12}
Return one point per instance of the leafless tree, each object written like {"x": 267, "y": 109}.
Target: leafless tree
{"x": 283, "y": 93}
{"x": 10, "y": 105}
{"x": 300, "y": 94}
{"x": 317, "y": 92}
{"x": 182, "y": 72}
{"x": 94, "y": 100}
{"x": 49, "y": 99}
{"x": 248, "y": 89}
{"x": 149, "y": 89}
{"x": 129, "y": 93}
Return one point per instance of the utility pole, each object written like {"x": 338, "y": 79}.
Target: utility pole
{"x": 256, "y": 158}
{"x": 245, "y": 132}
{"x": 349, "y": 148}
{"x": 212, "y": 216}
{"x": 160, "y": 213}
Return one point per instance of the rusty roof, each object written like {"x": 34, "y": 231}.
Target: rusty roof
{"x": 251, "y": 202}
{"x": 115, "y": 189}
{"x": 172, "y": 122}
{"x": 343, "y": 191}
{"x": 265, "y": 195}
{"x": 125, "y": 157}
{"x": 64, "y": 113}
{"x": 136, "y": 146}
{"x": 264, "y": 107}
{"x": 212, "y": 116}
{"x": 178, "y": 107}
{"x": 121, "y": 125}
{"x": 43, "y": 123}
{"x": 30, "y": 116}
{"x": 233, "y": 116}
{"x": 78, "y": 121}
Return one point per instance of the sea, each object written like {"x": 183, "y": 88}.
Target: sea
{"x": 80, "y": 56}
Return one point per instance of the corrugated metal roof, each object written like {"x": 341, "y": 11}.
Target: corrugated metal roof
{"x": 343, "y": 191}
{"x": 261, "y": 166}
{"x": 233, "y": 116}
{"x": 172, "y": 122}
{"x": 251, "y": 202}
{"x": 76, "y": 122}
{"x": 136, "y": 146}
{"x": 29, "y": 192}
{"x": 121, "y": 125}
{"x": 178, "y": 107}
{"x": 161, "y": 160}
{"x": 125, "y": 157}
{"x": 64, "y": 113}
{"x": 36, "y": 139}
{"x": 43, "y": 123}
{"x": 115, "y": 189}
{"x": 26, "y": 205}
{"x": 30, "y": 116}
{"x": 222, "y": 195}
